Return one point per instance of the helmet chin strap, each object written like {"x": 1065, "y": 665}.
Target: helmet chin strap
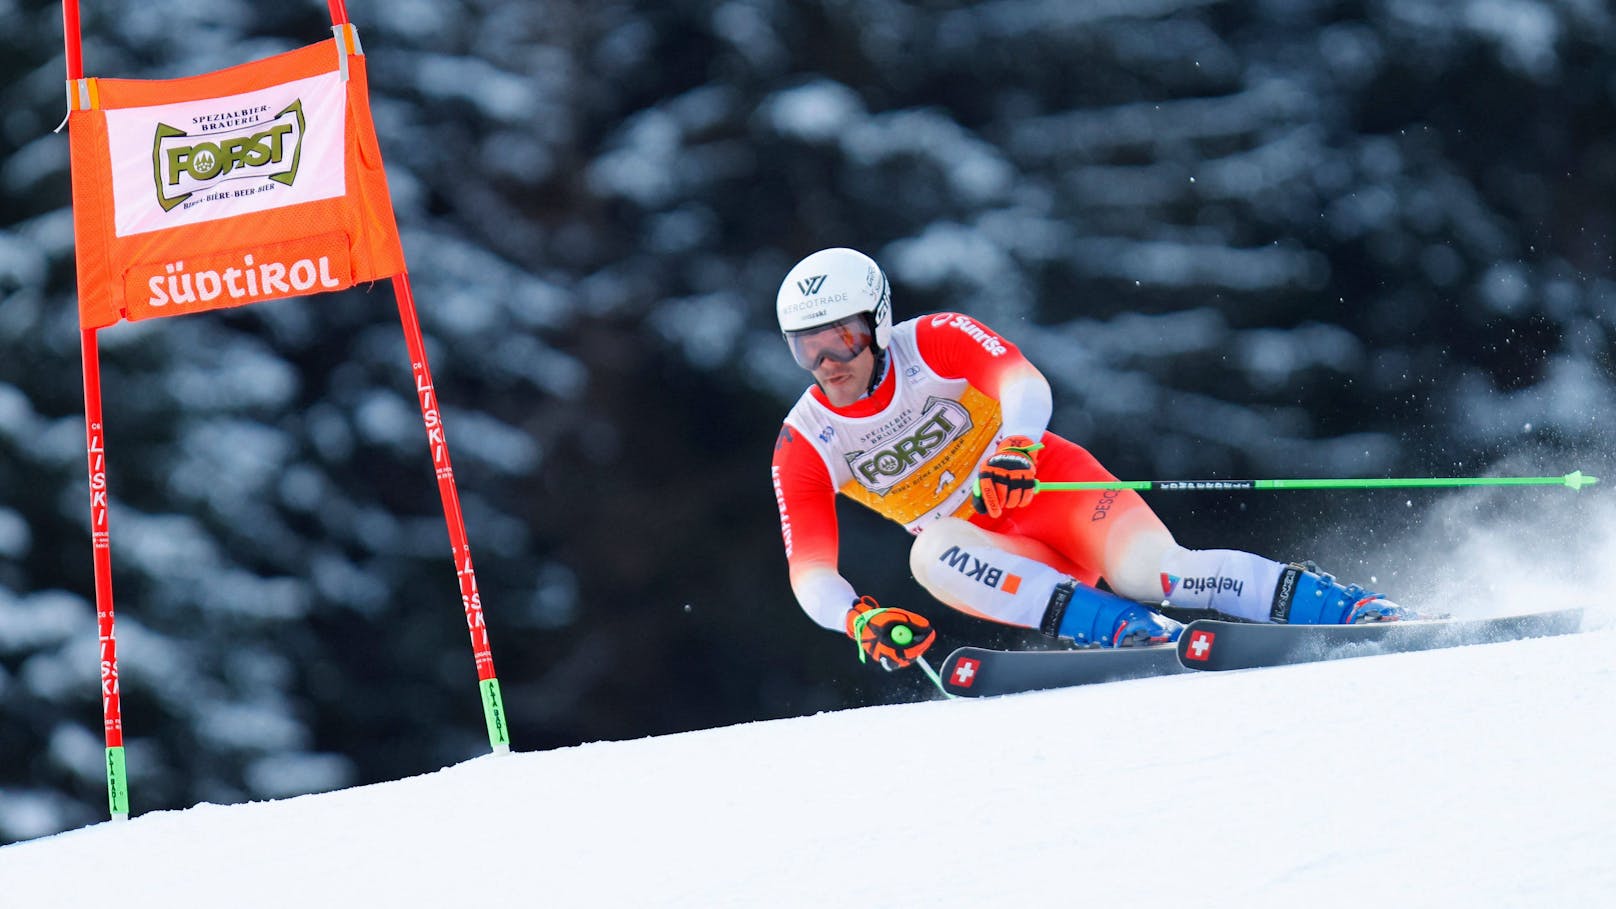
{"x": 878, "y": 373}
{"x": 879, "y": 369}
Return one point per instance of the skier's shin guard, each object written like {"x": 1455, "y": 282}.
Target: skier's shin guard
{"x": 1225, "y": 581}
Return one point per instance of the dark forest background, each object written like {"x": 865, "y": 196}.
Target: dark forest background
{"x": 1281, "y": 238}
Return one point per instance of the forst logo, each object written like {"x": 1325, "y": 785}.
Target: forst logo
{"x": 184, "y": 164}
{"x": 878, "y": 471}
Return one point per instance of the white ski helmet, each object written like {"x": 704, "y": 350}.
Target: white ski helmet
{"x": 833, "y": 284}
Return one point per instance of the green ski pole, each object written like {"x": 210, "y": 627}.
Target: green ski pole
{"x": 935, "y": 678}
{"x": 1574, "y": 480}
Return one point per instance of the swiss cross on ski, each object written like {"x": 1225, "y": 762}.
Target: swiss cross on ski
{"x": 965, "y": 672}
{"x": 1200, "y": 647}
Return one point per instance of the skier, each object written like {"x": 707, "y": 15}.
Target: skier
{"x": 940, "y": 424}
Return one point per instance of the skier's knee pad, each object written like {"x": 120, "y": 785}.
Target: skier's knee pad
{"x": 930, "y": 547}
{"x": 1133, "y": 563}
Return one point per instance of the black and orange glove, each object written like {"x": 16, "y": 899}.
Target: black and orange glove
{"x": 895, "y": 638}
{"x": 1009, "y": 479}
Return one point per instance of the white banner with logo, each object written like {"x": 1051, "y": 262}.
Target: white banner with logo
{"x": 199, "y": 161}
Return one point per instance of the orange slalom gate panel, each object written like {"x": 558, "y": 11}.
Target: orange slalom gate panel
{"x": 252, "y": 183}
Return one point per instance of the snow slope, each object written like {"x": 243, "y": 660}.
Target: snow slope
{"x": 1478, "y": 776}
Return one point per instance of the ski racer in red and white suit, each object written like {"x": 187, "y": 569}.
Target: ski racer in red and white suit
{"x": 907, "y": 419}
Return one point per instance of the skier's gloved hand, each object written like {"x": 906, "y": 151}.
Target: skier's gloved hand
{"x": 1009, "y": 479}
{"x": 895, "y": 638}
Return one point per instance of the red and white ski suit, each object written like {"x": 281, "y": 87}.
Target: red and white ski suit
{"x": 951, "y": 390}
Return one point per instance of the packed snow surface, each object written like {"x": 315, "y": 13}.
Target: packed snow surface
{"x": 1478, "y": 776}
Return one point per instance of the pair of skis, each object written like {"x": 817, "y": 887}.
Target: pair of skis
{"x": 1213, "y": 645}
{"x": 1210, "y": 644}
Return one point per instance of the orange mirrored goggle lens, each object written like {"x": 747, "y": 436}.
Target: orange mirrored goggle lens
{"x": 841, "y": 341}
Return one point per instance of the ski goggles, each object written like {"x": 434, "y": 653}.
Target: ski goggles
{"x": 841, "y": 341}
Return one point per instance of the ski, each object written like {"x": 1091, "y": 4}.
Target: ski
{"x": 979, "y": 672}
{"x": 1209, "y": 644}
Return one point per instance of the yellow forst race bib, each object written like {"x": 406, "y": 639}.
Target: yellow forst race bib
{"x": 927, "y": 464}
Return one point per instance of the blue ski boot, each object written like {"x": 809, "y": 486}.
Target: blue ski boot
{"x": 1099, "y": 619}
{"x": 1308, "y": 596}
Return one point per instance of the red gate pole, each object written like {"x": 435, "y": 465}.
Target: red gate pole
{"x": 101, "y": 544}
{"x": 100, "y": 533}
{"x": 493, "y": 704}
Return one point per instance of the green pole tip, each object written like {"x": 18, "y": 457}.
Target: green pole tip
{"x": 1576, "y": 480}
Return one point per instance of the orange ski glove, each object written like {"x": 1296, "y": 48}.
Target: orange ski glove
{"x": 1009, "y": 479}
{"x": 895, "y": 638}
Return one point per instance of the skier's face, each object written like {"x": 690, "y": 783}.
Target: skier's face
{"x": 844, "y": 383}
{"x": 839, "y": 355}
